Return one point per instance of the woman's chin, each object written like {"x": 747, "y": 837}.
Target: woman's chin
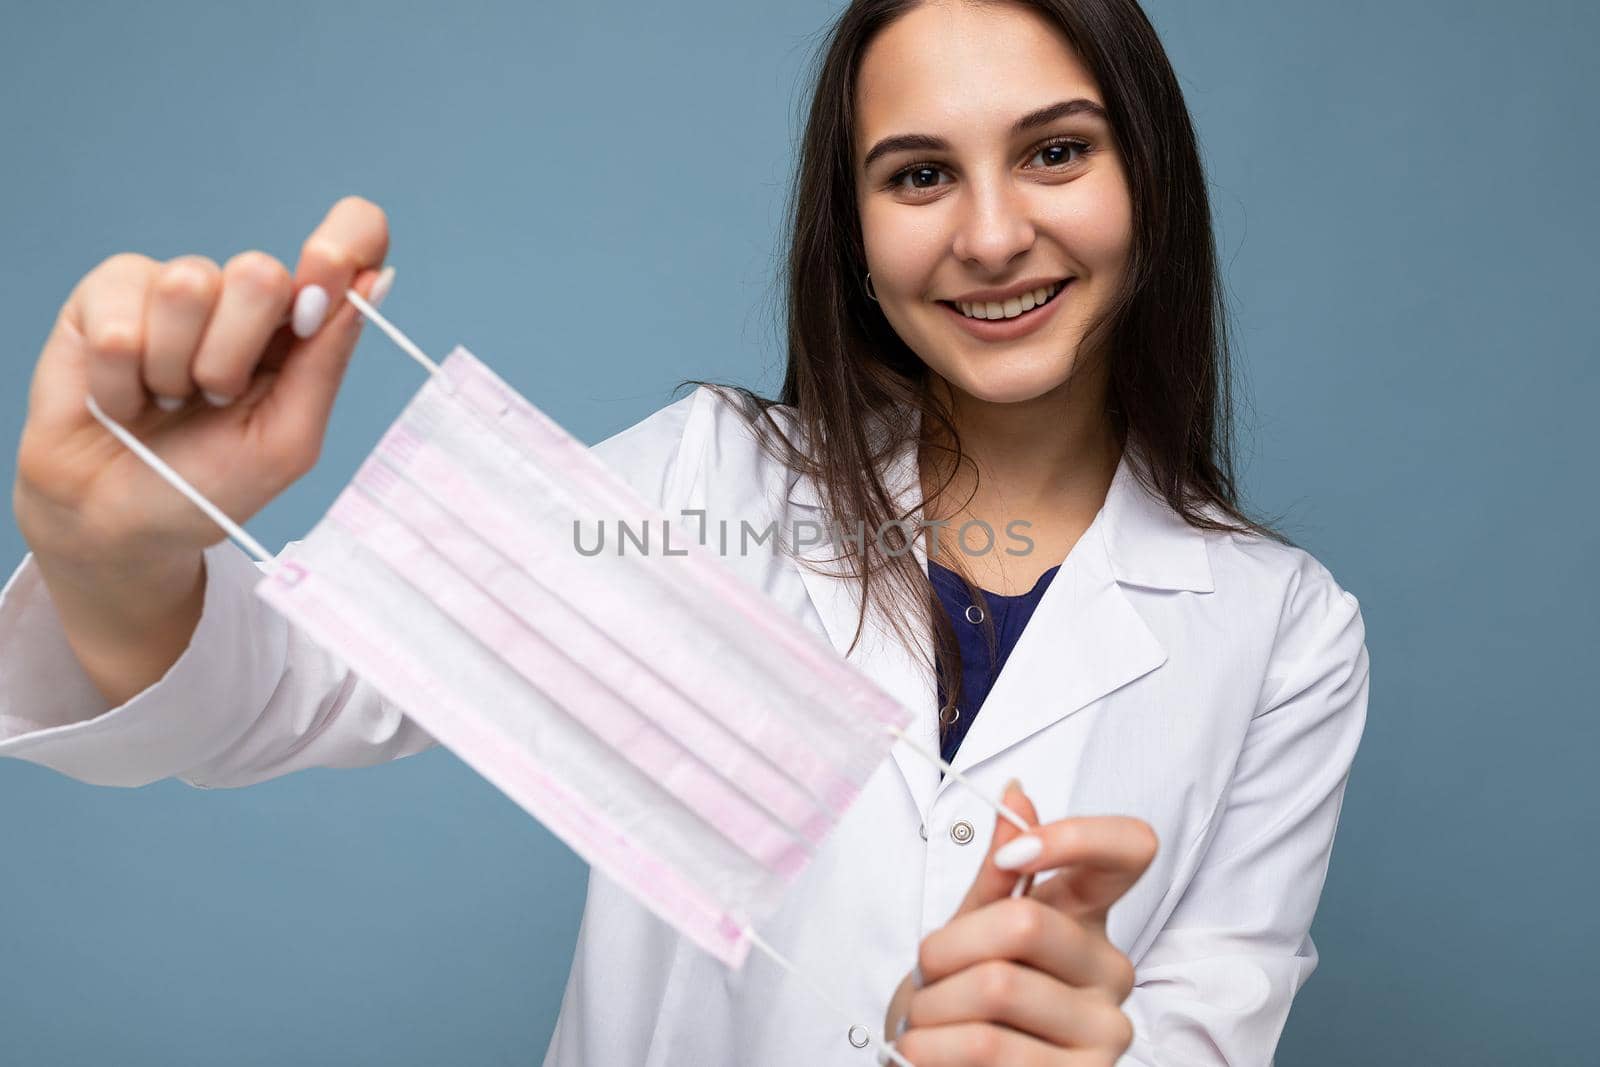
{"x": 1009, "y": 385}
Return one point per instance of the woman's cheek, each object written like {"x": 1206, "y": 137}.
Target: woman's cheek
{"x": 1095, "y": 224}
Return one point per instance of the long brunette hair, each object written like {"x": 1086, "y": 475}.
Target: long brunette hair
{"x": 854, "y": 387}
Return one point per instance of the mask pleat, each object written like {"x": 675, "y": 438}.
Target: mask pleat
{"x": 856, "y": 703}
{"x": 569, "y": 633}
{"x": 778, "y": 706}
{"x": 397, "y": 538}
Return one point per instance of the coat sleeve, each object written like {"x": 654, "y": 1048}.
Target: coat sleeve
{"x": 1215, "y": 985}
{"x": 251, "y": 697}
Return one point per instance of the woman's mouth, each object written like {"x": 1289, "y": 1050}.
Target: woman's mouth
{"x": 997, "y": 321}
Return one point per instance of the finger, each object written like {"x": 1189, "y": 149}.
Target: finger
{"x": 179, "y": 306}
{"x": 349, "y": 245}
{"x": 1022, "y": 998}
{"x": 110, "y": 311}
{"x": 294, "y": 415}
{"x": 991, "y": 883}
{"x": 1102, "y": 856}
{"x": 977, "y": 1045}
{"x": 255, "y": 291}
{"x": 1025, "y": 931}
{"x": 352, "y": 237}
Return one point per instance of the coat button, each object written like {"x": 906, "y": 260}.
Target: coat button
{"x": 859, "y": 1036}
{"x": 974, "y": 614}
{"x": 922, "y": 831}
{"x": 961, "y": 832}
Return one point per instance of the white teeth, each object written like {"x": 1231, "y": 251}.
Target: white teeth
{"x": 1010, "y": 309}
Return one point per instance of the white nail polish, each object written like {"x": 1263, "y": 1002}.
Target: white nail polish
{"x": 309, "y": 308}
{"x": 381, "y": 287}
{"x": 1014, "y": 854}
{"x": 168, "y": 403}
{"x": 217, "y": 400}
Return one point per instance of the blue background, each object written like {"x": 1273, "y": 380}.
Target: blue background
{"x": 589, "y": 197}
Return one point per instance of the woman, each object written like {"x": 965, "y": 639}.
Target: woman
{"x": 1003, "y": 317}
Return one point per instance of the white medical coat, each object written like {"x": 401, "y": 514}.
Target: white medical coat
{"x": 1214, "y": 685}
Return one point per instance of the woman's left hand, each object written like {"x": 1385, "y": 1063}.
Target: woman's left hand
{"x": 1033, "y": 980}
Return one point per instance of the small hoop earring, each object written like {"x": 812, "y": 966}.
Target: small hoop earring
{"x": 870, "y": 293}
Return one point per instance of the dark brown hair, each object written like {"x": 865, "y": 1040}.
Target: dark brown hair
{"x": 1164, "y": 335}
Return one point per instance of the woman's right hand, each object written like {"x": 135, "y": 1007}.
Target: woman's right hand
{"x": 159, "y": 345}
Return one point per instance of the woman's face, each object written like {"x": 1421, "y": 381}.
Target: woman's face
{"x": 958, "y": 206}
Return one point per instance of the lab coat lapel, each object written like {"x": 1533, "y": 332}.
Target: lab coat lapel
{"x": 1084, "y": 641}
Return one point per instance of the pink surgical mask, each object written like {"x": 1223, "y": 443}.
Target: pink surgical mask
{"x": 653, "y": 710}
{"x": 727, "y": 739}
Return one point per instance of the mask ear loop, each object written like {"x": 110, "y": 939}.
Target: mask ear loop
{"x": 887, "y": 1054}
{"x": 966, "y": 783}
{"x": 178, "y": 482}
{"x": 181, "y": 484}
{"x": 269, "y": 562}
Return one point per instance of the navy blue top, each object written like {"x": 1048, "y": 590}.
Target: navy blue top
{"x": 978, "y": 667}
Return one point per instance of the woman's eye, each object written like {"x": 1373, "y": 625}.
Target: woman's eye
{"x": 1059, "y": 152}
{"x": 921, "y": 178}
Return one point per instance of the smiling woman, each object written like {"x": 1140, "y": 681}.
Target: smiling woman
{"x": 1002, "y": 265}
{"x": 1001, "y": 250}
{"x": 1004, "y": 315}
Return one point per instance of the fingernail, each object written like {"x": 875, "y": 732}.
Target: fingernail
{"x": 309, "y": 308}
{"x": 916, "y": 976}
{"x": 380, "y": 288}
{"x": 900, "y": 1027}
{"x": 217, "y": 400}
{"x": 1014, "y": 854}
{"x": 1015, "y": 782}
{"x": 168, "y": 403}
{"x": 883, "y": 1057}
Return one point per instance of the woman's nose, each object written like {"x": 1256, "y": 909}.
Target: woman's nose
{"x": 994, "y": 229}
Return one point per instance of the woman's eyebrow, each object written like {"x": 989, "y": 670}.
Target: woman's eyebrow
{"x": 1043, "y": 116}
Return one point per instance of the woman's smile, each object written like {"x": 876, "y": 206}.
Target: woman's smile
{"x": 1006, "y": 320}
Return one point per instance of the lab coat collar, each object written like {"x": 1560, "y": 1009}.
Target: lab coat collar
{"x": 1148, "y": 543}
{"x": 1084, "y": 640}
